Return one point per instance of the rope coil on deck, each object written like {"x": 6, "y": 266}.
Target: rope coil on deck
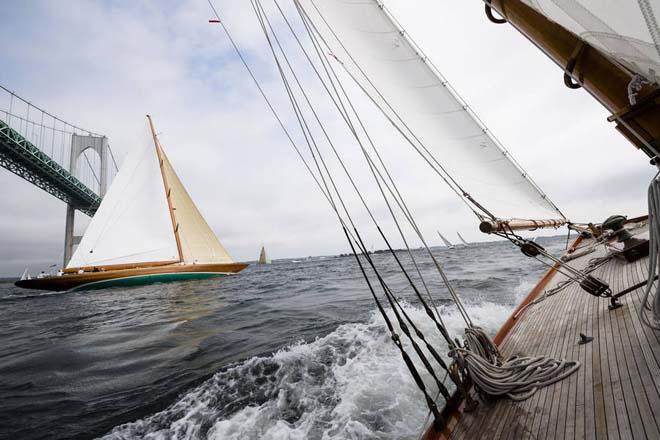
{"x": 517, "y": 378}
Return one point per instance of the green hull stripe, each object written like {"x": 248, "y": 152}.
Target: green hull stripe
{"x": 141, "y": 280}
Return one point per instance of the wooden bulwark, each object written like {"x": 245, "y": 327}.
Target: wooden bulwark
{"x": 616, "y": 392}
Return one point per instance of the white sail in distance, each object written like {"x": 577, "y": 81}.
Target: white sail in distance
{"x": 460, "y": 237}
{"x": 445, "y": 241}
{"x": 415, "y": 97}
{"x": 624, "y": 30}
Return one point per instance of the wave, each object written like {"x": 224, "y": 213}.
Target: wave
{"x": 351, "y": 383}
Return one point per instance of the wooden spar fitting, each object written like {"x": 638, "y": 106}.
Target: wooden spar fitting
{"x": 603, "y": 78}
{"x": 159, "y": 153}
{"x": 492, "y": 226}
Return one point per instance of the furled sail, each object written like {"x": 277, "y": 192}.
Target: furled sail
{"x": 445, "y": 241}
{"x": 378, "y": 55}
{"x": 133, "y": 224}
{"x": 199, "y": 244}
{"x": 625, "y": 30}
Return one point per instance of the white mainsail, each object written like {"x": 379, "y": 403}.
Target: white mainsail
{"x": 625, "y": 30}
{"x": 445, "y": 241}
{"x": 417, "y": 99}
{"x": 133, "y": 223}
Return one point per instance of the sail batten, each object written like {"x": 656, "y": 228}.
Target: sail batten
{"x": 413, "y": 95}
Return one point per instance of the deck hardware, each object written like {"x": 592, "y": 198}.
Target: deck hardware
{"x": 489, "y": 13}
{"x": 596, "y": 287}
{"x": 584, "y": 339}
{"x": 614, "y": 301}
{"x": 633, "y": 248}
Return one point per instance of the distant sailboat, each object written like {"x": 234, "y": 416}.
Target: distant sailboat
{"x": 445, "y": 241}
{"x": 462, "y": 239}
{"x": 146, "y": 230}
{"x": 263, "y": 258}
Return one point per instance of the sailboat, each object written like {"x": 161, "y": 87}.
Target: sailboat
{"x": 465, "y": 243}
{"x": 147, "y": 229}
{"x": 445, "y": 241}
{"x": 579, "y": 355}
{"x": 263, "y": 259}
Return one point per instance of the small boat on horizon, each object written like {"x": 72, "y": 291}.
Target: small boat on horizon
{"x": 147, "y": 229}
{"x": 465, "y": 243}
{"x": 447, "y": 243}
{"x": 263, "y": 258}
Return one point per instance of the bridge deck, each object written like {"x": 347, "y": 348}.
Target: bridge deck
{"x": 19, "y": 156}
{"x": 616, "y": 392}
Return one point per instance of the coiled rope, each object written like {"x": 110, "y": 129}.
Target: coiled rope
{"x": 651, "y": 296}
{"x": 517, "y": 378}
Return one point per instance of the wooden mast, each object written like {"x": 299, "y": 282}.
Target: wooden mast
{"x": 159, "y": 153}
{"x": 603, "y": 78}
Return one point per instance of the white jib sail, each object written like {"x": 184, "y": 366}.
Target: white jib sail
{"x": 625, "y": 30}
{"x": 417, "y": 99}
{"x": 133, "y": 223}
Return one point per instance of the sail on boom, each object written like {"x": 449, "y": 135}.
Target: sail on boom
{"x": 415, "y": 97}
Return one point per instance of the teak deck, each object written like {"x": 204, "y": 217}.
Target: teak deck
{"x": 616, "y": 392}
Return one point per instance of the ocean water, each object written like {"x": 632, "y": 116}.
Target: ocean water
{"x": 292, "y": 350}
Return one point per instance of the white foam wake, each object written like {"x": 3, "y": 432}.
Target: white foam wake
{"x": 350, "y": 384}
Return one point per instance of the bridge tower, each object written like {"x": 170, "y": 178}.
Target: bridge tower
{"x": 79, "y": 144}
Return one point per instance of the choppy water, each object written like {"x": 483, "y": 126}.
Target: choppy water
{"x": 294, "y": 350}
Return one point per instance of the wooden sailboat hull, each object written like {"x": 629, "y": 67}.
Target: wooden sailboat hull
{"x": 131, "y": 276}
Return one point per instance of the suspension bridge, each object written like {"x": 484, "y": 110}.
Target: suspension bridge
{"x": 75, "y": 165}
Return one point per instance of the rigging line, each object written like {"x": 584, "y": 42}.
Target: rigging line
{"x": 396, "y": 308}
{"x": 303, "y": 125}
{"x": 265, "y": 97}
{"x": 300, "y": 116}
{"x": 258, "y": 8}
{"x": 355, "y": 186}
{"x": 464, "y": 195}
{"x": 397, "y": 341}
{"x": 369, "y": 160}
{"x": 261, "y": 15}
{"x": 403, "y": 207}
{"x": 343, "y": 111}
{"x": 461, "y": 194}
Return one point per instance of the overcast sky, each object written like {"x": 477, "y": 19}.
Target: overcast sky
{"x": 105, "y": 64}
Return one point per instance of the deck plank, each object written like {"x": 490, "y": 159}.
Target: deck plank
{"x": 616, "y": 392}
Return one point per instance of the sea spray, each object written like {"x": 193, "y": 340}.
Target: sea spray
{"x": 351, "y": 383}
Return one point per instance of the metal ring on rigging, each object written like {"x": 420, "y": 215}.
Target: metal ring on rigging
{"x": 489, "y": 13}
{"x": 568, "y": 70}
